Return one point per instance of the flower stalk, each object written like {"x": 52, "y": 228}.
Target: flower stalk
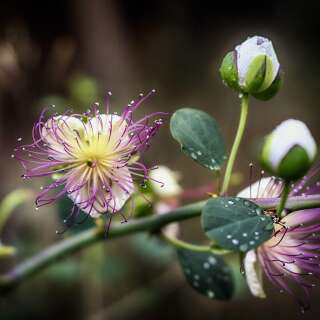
{"x": 284, "y": 197}
{"x": 237, "y": 141}
{"x": 84, "y": 239}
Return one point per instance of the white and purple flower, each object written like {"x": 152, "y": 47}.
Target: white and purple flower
{"x": 95, "y": 156}
{"x": 290, "y": 259}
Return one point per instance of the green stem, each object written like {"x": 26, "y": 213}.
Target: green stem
{"x": 153, "y": 223}
{"x": 185, "y": 245}
{"x": 237, "y": 141}
{"x": 284, "y": 198}
{"x": 86, "y": 238}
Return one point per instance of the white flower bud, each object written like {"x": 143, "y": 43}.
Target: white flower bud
{"x": 253, "y": 68}
{"x": 289, "y": 151}
{"x": 256, "y": 55}
{"x": 164, "y": 182}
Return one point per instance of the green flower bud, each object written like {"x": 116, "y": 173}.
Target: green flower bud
{"x": 252, "y": 68}
{"x": 289, "y": 151}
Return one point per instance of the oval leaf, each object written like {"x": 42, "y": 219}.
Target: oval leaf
{"x": 236, "y": 223}
{"x": 207, "y": 273}
{"x": 199, "y": 136}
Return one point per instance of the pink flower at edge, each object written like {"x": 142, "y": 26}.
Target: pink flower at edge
{"x": 290, "y": 259}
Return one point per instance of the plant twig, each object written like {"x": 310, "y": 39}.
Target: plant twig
{"x": 152, "y": 223}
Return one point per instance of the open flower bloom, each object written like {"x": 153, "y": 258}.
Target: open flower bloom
{"x": 95, "y": 156}
{"x": 290, "y": 259}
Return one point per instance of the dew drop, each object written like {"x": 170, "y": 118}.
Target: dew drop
{"x": 235, "y": 241}
{"x": 206, "y": 265}
{"x": 243, "y": 247}
{"x": 212, "y": 260}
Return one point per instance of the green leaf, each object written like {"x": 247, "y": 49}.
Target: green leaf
{"x": 199, "y": 136}
{"x": 76, "y": 224}
{"x": 236, "y": 223}
{"x": 6, "y": 251}
{"x": 207, "y": 273}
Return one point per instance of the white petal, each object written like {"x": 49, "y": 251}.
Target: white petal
{"x": 65, "y": 133}
{"x": 262, "y": 189}
{"x": 119, "y": 196}
{"x": 253, "y": 274}
{"x": 168, "y": 186}
{"x": 287, "y": 135}
{"x": 249, "y": 50}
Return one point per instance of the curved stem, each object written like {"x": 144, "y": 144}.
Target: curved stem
{"x": 284, "y": 197}
{"x": 153, "y": 223}
{"x": 237, "y": 141}
{"x": 84, "y": 239}
{"x": 185, "y": 245}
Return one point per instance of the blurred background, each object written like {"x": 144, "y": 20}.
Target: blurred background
{"x": 70, "y": 53}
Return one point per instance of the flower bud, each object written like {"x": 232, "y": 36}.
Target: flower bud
{"x": 289, "y": 151}
{"x": 252, "y": 68}
{"x": 164, "y": 182}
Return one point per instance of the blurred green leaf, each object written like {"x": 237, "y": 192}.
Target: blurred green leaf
{"x": 151, "y": 248}
{"x": 199, "y": 136}
{"x": 236, "y": 223}
{"x": 60, "y": 103}
{"x": 7, "y": 251}
{"x": 79, "y": 223}
{"x": 207, "y": 273}
{"x": 11, "y": 201}
{"x": 66, "y": 271}
{"x": 83, "y": 90}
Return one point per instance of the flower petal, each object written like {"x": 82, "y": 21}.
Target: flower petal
{"x": 253, "y": 274}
